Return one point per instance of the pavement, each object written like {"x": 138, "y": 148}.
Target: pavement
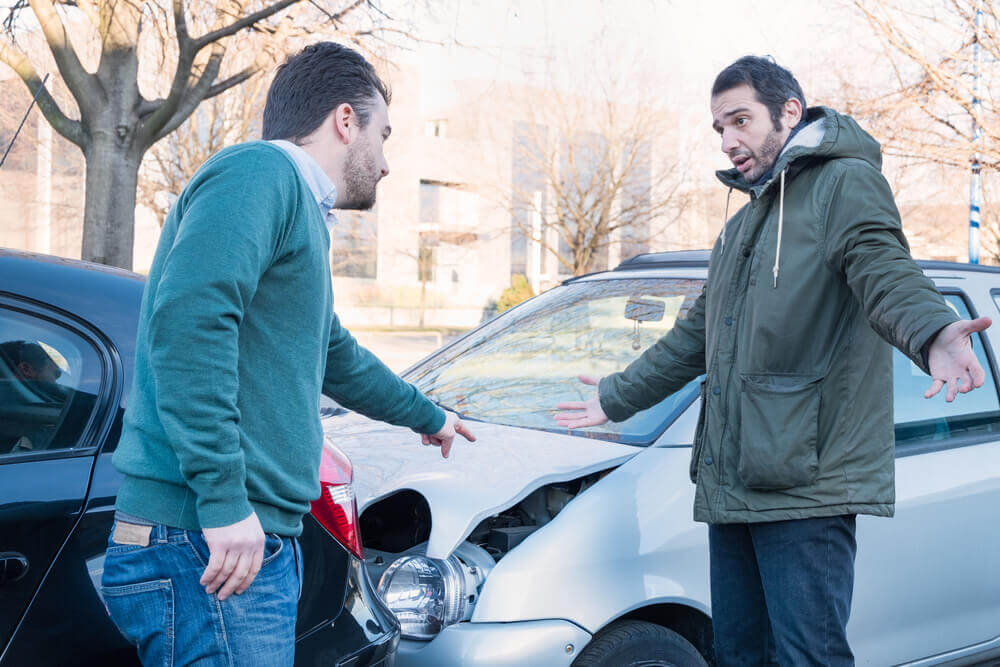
{"x": 401, "y": 349}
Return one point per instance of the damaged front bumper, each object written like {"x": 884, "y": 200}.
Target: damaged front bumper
{"x": 552, "y": 643}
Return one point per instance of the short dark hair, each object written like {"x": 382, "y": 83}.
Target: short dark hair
{"x": 773, "y": 84}
{"x": 20, "y": 351}
{"x": 314, "y": 82}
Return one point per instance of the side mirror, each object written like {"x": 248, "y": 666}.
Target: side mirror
{"x": 644, "y": 310}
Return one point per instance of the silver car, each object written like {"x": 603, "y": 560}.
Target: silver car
{"x": 535, "y": 546}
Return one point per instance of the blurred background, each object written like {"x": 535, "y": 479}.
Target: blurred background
{"x": 532, "y": 140}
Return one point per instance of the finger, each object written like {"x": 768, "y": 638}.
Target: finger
{"x": 460, "y": 427}
{"x": 978, "y": 374}
{"x": 216, "y": 558}
{"x": 243, "y": 564}
{"x": 570, "y": 415}
{"x": 934, "y": 389}
{"x": 577, "y": 422}
{"x": 952, "y": 390}
{"x": 589, "y": 379}
{"x": 425, "y": 439}
{"x": 228, "y": 565}
{"x": 255, "y": 565}
{"x": 572, "y": 405}
{"x": 976, "y": 325}
{"x": 966, "y": 383}
{"x": 445, "y": 447}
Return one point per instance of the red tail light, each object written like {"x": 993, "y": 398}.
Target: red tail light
{"x": 336, "y": 509}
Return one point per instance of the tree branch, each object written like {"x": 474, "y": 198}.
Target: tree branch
{"x": 200, "y": 92}
{"x": 60, "y": 122}
{"x": 244, "y": 22}
{"x": 81, "y": 83}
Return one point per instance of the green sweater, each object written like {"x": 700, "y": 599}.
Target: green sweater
{"x": 237, "y": 338}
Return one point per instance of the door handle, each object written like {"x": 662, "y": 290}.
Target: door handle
{"x": 13, "y": 566}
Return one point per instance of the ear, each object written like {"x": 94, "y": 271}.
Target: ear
{"x": 344, "y": 123}
{"x": 792, "y": 112}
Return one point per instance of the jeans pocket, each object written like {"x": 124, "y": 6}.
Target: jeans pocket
{"x": 144, "y": 614}
{"x": 779, "y": 424}
{"x": 273, "y": 546}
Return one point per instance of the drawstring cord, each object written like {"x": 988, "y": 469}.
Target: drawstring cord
{"x": 781, "y": 221}
{"x": 725, "y": 218}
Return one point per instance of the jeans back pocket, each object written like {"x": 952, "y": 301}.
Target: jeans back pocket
{"x": 779, "y": 424}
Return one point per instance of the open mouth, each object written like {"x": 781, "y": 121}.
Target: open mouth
{"x": 742, "y": 162}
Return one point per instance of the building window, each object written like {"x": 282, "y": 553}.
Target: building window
{"x": 354, "y": 251}
{"x": 427, "y": 257}
{"x": 436, "y": 128}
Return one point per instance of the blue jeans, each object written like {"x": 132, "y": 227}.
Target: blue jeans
{"x": 154, "y": 597}
{"x": 781, "y": 591}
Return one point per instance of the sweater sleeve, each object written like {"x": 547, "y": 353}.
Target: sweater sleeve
{"x": 356, "y": 379}
{"x": 227, "y": 233}
{"x": 865, "y": 242}
{"x": 673, "y": 361}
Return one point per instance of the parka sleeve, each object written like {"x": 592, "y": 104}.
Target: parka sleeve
{"x": 673, "y": 361}
{"x": 864, "y": 242}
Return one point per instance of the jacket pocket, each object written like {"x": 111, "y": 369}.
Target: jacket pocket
{"x": 778, "y": 431}
{"x": 699, "y": 435}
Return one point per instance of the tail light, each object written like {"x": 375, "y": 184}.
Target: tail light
{"x": 336, "y": 508}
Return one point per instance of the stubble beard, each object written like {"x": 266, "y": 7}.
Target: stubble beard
{"x": 765, "y": 156}
{"x": 360, "y": 179}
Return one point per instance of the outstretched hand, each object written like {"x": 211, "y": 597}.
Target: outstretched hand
{"x": 452, "y": 426}
{"x": 952, "y": 361}
{"x": 583, "y": 413}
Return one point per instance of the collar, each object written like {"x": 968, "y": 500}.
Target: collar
{"x": 319, "y": 183}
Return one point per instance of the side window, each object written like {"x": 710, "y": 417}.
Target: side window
{"x": 919, "y": 419}
{"x": 49, "y": 382}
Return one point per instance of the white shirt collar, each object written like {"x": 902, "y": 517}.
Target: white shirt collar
{"x": 319, "y": 183}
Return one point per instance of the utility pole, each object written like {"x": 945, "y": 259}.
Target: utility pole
{"x": 976, "y": 186}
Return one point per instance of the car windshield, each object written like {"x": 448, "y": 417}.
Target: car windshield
{"x": 516, "y": 368}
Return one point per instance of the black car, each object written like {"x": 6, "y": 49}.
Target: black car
{"x": 67, "y": 345}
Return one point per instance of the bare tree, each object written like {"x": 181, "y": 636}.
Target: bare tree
{"x": 925, "y": 117}
{"x": 589, "y": 174}
{"x": 116, "y": 50}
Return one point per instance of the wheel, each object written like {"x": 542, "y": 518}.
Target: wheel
{"x": 639, "y": 644}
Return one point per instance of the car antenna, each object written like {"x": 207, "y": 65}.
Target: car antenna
{"x": 30, "y": 107}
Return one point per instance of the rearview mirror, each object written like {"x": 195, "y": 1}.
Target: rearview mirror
{"x": 644, "y": 310}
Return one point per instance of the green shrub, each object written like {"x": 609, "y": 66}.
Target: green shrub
{"x": 519, "y": 290}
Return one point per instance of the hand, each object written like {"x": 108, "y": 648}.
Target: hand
{"x": 951, "y": 359}
{"x": 235, "y": 552}
{"x": 585, "y": 413}
{"x": 443, "y": 438}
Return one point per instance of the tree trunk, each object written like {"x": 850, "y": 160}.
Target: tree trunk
{"x": 109, "y": 212}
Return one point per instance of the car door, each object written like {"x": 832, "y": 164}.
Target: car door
{"x": 927, "y": 580}
{"x": 55, "y": 380}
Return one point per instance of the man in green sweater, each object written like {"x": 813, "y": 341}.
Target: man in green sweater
{"x": 237, "y": 338}
{"x": 808, "y": 285}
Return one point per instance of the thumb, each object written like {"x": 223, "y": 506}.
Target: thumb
{"x": 976, "y": 325}
{"x": 589, "y": 379}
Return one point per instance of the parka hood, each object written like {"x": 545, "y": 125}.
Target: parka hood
{"x": 826, "y": 135}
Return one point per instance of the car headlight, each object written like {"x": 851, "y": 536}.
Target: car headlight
{"x": 425, "y": 594}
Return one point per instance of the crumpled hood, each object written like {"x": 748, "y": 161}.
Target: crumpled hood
{"x": 503, "y": 466}
{"x": 827, "y": 134}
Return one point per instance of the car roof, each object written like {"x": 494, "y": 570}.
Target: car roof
{"x": 694, "y": 264}
{"x": 106, "y": 297}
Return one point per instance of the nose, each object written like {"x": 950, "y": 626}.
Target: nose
{"x": 384, "y": 168}
{"x": 729, "y": 141}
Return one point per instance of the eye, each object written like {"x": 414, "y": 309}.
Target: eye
{"x": 741, "y": 121}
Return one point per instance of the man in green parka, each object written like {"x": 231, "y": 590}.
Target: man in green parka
{"x": 806, "y": 284}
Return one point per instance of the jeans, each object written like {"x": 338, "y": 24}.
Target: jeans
{"x": 154, "y": 596}
{"x": 781, "y": 591}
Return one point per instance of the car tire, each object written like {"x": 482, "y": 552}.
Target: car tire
{"x": 639, "y": 644}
